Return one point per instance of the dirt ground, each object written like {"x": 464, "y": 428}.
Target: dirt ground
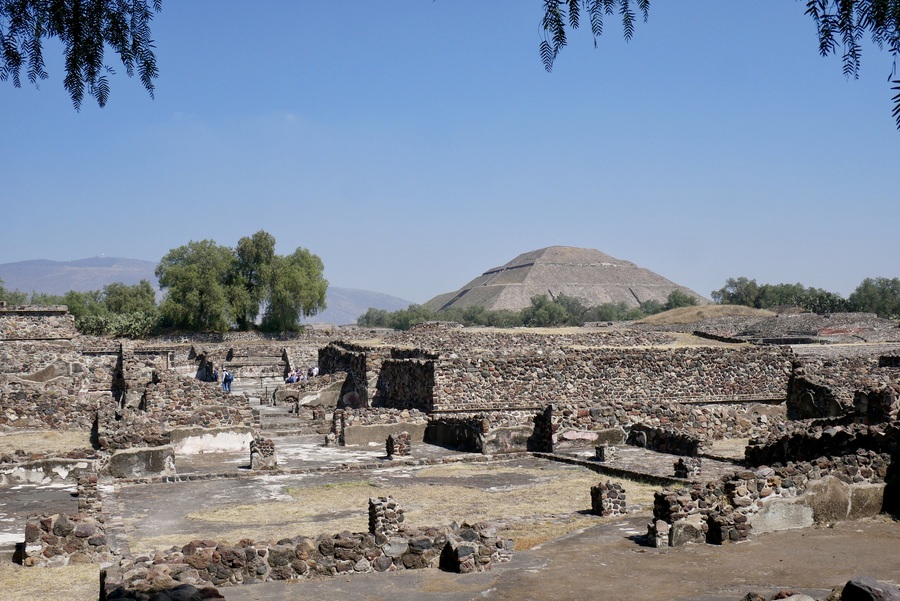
{"x": 532, "y": 500}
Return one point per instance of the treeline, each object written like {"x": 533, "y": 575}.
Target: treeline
{"x": 116, "y": 310}
{"x": 874, "y": 295}
{"x": 544, "y": 311}
{"x": 208, "y": 287}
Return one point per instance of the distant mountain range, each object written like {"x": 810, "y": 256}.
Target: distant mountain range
{"x": 58, "y": 277}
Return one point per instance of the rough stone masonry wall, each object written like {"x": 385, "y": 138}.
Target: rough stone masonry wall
{"x": 827, "y": 386}
{"x": 493, "y": 380}
{"x": 406, "y": 384}
{"x": 36, "y": 323}
{"x": 167, "y": 400}
{"x": 459, "y": 548}
{"x": 726, "y": 505}
{"x": 664, "y": 441}
{"x": 809, "y": 439}
{"x": 342, "y": 356}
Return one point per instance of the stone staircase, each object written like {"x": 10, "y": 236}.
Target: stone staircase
{"x": 282, "y": 421}
{"x": 256, "y": 376}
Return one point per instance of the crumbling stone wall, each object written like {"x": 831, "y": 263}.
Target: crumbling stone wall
{"x": 608, "y": 499}
{"x": 57, "y": 405}
{"x": 406, "y": 383}
{"x": 808, "y": 439}
{"x": 388, "y": 546}
{"x": 56, "y": 540}
{"x": 24, "y": 322}
{"x": 723, "y": 509}
{"x": 834, "y": 386}
{"x": 665, "y": 441}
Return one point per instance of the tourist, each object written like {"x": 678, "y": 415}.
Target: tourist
{"x": 315, "y": 370}
{"x": 226, "y": 380}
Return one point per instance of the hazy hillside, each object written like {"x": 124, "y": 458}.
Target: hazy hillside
{"x": 58, "y": 277}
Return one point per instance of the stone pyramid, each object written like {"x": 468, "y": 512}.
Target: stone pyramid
{"x": 589, "y": 275}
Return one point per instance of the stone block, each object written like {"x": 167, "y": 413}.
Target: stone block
{"x": 141, "y": 462}
{"x": 688, "y": 530}
{"x": 866, "y": 500}
{"x": 781, "y": 514}
{"x": 829, "y": 499}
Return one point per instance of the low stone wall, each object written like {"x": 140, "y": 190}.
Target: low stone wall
{"x": 771, "y": 498}
{"x": 44, "y": 471}
{"x": 363, "y": 426}
{"x": 809, "y": 439}
{"x": 665, "y": 441}
{"x": 388, "y": 546}
{"x": 487, "y": 432}
{"x": 60, "y": 539}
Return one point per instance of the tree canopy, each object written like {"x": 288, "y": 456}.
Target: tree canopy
{"x": 213, "y": 287}
{"x": 874, "y": 295}
{"x": 841, "y": 27}
{"x": 85, "y": 28}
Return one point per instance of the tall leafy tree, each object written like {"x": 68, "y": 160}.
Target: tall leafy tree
{"x": 296, "y": 288}
{"x": 194, "y": 278}
{"x": 122, "y": 298}
{"x": 252, "y": 274}
{"x": 739, "y": 291}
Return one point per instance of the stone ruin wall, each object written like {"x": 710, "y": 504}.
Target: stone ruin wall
{"x": 36, "y": 323}
{"x": 831, "y": 386}
{"x": 724, "y": 509}
{"x": 809, "y": 439}
{"x": 406, "y": 383}
{"x": 388, "y": 546}
{"x": 700, "y": 375}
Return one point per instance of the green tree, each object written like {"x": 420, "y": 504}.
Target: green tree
{"x": 252, "y": 276}
{"x": 877, "y": 295}
{"x": 841, "y": 26}
{"x": 543, "y": 312}
{"x": 679, "y": 298}
{"x": 122, "y": 298}
{"x": 740, "y": 291}
{"x": 295, "y": 289}
{"x": 194, "y": 278}
{"x": 374, "y": 318}
{"x": 85, "y": 28}
{"x": 12, "y": 297}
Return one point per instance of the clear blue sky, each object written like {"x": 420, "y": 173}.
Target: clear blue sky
{"x": 414, "y": 144}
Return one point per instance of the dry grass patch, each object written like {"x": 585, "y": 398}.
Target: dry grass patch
{"x": 77, "y": 582}
{"x": 44, "y": 441}
{"x": 701, "y": 312}
{"x": 531, "y": 504}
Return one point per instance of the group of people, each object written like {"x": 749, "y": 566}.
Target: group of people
{"x": 298, "y": 376}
